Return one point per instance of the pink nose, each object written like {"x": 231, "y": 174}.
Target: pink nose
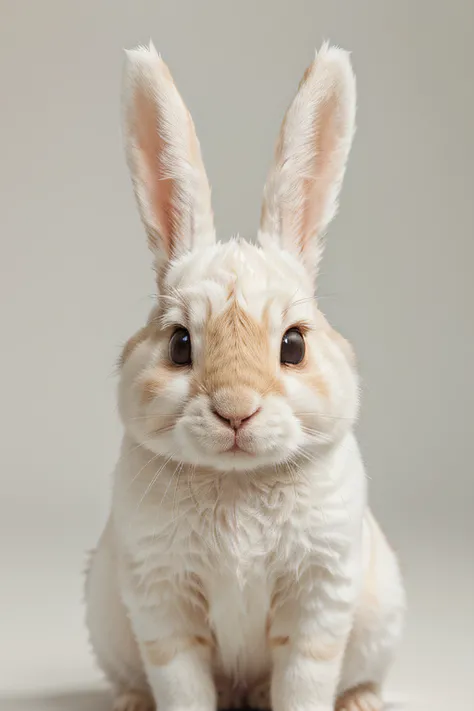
{"x": 236, "y": 421}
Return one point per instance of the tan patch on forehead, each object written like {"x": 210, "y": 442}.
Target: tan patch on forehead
{"x": 238, "y": 353}
{"x": 134, "y": 341}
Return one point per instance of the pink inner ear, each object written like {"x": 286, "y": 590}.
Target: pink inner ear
{"x": 325, "y": 166}
{"x": 309, "y": 199}
{"x": 155, "y": 189}
{"x": 302, "y": 189}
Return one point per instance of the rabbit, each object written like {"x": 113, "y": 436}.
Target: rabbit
{"x": 240, "y": 564}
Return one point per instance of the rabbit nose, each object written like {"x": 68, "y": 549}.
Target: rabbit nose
{"x": 237, "y": 420}
{"x": 235, "y": 406}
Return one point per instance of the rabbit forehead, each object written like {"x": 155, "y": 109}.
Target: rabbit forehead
{"x": 262, "y": 281}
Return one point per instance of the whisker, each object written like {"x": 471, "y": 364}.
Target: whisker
{"x": 170, "y": 297}
{"x": 314, "y": 297}
{"x": 323, "y": 414}
{"x": 155, "y": 528}
{"x": 180, "y": 469}
{"x": 298, "y": 302}
{"x": 151, "y": 414}
{"x": 169, "y": 483}
{"x": 135, "y": 477}
{"x": 135, "y": 447}
{"x": 162, "y": 430}
{"x": 319, "y": 433}
{"x": 306, "y": 455}
{"x": 153, "y": 482}
{"x": 191, "y": 492}
{"x": 325, "y": 296}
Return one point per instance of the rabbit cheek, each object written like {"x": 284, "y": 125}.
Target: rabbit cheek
{"x": 134, "y": 342}
{"x": 152, "y": 386}
{"x": 317, "y": 383}
{"x": 154, "y": 401}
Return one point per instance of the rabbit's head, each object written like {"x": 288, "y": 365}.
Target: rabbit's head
{"x": 237, "y": 368}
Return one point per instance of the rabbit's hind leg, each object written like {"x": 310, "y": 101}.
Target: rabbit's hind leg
{"x": 110, "y": 632}
{"x": 377, "y": 629}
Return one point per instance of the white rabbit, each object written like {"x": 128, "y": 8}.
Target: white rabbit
{"x": 240, "y": 563}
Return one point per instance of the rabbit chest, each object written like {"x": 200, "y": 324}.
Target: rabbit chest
{"x": 225, "y": 555}
{"x": 226, "y": 559}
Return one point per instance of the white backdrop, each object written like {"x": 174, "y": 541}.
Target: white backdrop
{"x": 76, "y": 282}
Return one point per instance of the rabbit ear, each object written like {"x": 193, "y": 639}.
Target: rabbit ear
{"x": 301, "y": 193}
{"x": 164, "y": 158}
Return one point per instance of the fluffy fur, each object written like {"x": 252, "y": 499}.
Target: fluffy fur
{"x": 240, "y": 564}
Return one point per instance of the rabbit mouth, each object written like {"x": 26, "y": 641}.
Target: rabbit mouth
{"x": 239, "y": 450}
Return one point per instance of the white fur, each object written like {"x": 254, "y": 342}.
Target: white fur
{"x": 208, "y": 543}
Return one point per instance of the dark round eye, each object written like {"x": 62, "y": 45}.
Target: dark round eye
{"x": 180, "y": 347}
{"x": 292, "y": 347}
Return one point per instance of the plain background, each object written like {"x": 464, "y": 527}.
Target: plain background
{"x": 75, "y": 282}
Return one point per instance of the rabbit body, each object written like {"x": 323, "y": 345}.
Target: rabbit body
{"x": 240, "y": 563}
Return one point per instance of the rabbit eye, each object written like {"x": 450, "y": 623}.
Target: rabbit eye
{"x": 180, "y": 347}
{"x": 292, "y": 347}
